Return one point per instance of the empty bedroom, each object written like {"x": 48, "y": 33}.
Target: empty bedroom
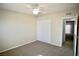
{"x": 39, "y": 29}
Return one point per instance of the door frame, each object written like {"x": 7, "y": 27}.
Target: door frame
{"x": 71, "y": 18}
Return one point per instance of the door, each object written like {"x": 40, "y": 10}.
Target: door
{"x": 44, "y": 30}
{"x": 77, "y": 44}
{"x": 76, "y": 37}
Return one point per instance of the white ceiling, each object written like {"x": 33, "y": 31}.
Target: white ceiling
{"x": 45, "y": 7}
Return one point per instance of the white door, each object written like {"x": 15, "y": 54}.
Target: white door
{"x": 44, "y": 30}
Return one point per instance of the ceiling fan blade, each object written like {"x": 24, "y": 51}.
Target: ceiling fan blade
{"x": 28, "y": 5}
{"x": 39, "y": 6}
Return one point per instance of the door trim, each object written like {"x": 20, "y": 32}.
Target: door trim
{"x": 74, "y": 18}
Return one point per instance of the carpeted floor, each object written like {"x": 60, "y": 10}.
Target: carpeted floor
{"x": 68, "y": 44}
{"x": 39, "y": 48}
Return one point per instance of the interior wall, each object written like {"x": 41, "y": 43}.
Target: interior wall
{"x": 16, "y": 29}
{"x": 57, "y": 24}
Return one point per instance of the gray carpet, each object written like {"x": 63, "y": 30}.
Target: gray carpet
{"x": 39, "y": 48}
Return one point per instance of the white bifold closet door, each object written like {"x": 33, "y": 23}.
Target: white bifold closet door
{"x": 44, "y": 30}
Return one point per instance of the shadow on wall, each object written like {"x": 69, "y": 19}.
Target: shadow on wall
{"x": 2, "y": 16}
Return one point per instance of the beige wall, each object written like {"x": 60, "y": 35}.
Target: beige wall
{"x": 57, "y": 24}
{"x": 16, "y": 29}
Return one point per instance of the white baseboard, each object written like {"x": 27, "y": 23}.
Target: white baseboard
{"x": 56, "y": 45}
{"x": 16, "y": 46}
{"x": 25, "y": 44}
{"x": 51, "y": 43}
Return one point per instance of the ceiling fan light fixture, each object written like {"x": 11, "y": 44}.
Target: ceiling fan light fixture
{"x": 36, "y": 11}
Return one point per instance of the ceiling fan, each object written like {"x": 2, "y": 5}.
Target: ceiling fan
{"x": 36, "y": 8}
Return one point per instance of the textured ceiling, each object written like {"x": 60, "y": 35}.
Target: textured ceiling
{"x": 45, "y": 7}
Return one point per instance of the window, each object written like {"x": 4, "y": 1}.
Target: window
{"x": 68, "y": 29}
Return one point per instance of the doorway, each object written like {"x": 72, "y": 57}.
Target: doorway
{"x": 70, "y": 27}
{"x": 68, "y": 34}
